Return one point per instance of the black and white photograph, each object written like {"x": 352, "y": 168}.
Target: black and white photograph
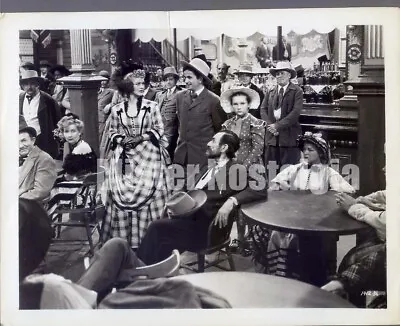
{"x": 193, "y": 167}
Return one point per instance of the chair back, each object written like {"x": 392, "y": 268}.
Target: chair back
{"x": 90, "y": 186}
{"x": 217, "y": 237}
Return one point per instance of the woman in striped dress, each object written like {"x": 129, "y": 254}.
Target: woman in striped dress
{"x": 136, "y": 178}
{"x": 79, "y": 160}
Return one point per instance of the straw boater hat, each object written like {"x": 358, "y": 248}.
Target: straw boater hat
{"x": 182, "y": 204}
{"x": 319, "y": 142}
{"x": 283, "y": 65}
{"x": 200, "y": 66}
{"x": 245, "y": 69}
{"x": 227, "y": 95}
{"x": 170, "y": 71}
{"x": 27, "y": 75}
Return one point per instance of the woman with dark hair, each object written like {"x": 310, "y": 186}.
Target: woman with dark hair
{"x": 313, "y": 174}
{"x": 251, "y": 132}
{"x": 136, "y": 182}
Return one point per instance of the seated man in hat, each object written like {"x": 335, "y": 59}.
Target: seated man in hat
{"x": 104, "y": 97}
{"x": 115, "y": 265}
{"x": 215, "y": 196}
{"x": 40, "y": 111}
{"x": 245, "y": 74}
{"x": 167, "y": 102}
{"x": 37, "y": 170}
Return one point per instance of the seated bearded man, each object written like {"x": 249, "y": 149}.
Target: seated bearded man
{"x": 213, "y": 201}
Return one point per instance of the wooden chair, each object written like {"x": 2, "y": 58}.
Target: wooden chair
{"x": 218, "y": 241}
{"x": 83, "y": 210}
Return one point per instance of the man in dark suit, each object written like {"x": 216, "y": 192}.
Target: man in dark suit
{"x": 263, "y": 54}
{"x": 49, "y": 83}
{"x": 167, "y": 103}
{"x": 215, "y": 205}
{"x": 104, "y": 97}
{"x": 200, "y": 115}
{"x": 281, "y": 110}
{"x": 245, "y": 74}
{"x": 285, "y": 53}
{"x": 40, "y": 111}
{"x": 149, "y": 92}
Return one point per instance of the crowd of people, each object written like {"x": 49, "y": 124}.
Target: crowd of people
{"x": 205, "y": 127}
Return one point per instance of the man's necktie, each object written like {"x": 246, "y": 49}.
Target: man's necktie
{"x": 280, "y": 98}
{"x": 193, "y": 95}
{"x": 21, "y": 160}
{"x": 29, "y": 98}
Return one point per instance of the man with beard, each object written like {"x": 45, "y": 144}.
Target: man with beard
{"x": 212, "y": 201}
{"x": 40, "y": 111}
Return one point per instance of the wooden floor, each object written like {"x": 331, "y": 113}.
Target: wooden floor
{"x": 66, "y": 259}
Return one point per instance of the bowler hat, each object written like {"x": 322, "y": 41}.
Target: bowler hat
{"x": 44, "y": 63}
{"x": 60, "y": 68}
{"x": 105, "y": 74}
{"x": 283, "y": 66}
{"x": 170, "y": 71}
{"x": 23, "y": 127}
{"x": 199, "y": 66}
{"x": 27, "y": 75}
{"x": 227, "y": 95}
{"x": 182, "y": 204}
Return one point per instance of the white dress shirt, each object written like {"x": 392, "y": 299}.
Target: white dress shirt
{"x": 277, "y": 112}
{"x": 198, "y": 92}
{"x": 170, "y": 91}
{"x": 205, "y": 179}
{"x": 30, "y": 112}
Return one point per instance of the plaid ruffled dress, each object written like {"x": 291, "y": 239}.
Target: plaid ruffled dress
{"x": 136, "y": 186}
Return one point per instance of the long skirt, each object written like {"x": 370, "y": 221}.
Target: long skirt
{"x": 135, "y": 195}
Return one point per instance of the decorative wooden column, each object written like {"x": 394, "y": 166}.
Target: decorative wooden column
{"x": 83, "y": 85}
{"x": 365, "y": 52}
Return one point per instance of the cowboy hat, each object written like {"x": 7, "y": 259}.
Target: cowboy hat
{"x": 44, "y": 63}
{"x": 203, "y": 57}
{"x": 23, "y": 127}
{"x": 27, "y": 65}
{"x": 227, "y": 95}
{"x": 285, "y": 66}
{"x": 199, "y": 66}
{"x": 30, "y": 75}
{"x": 170, "y": 71}
{"x": 60, "y": 68}
{"x": 182, "y": 204}
{"x": 245, "y": 69}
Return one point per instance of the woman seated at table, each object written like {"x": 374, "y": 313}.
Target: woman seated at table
{"x": 251, "y": 131}
{"x": 276, "y": 251}
{"x": 79, "y": 160}
{"x": 364, "y": 266}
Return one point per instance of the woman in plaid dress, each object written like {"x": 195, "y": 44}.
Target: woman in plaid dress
{"x": 136, "y": 184}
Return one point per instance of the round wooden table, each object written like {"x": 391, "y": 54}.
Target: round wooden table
{"x": 253, "y": 290}
{"x": 309, "y": 216}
